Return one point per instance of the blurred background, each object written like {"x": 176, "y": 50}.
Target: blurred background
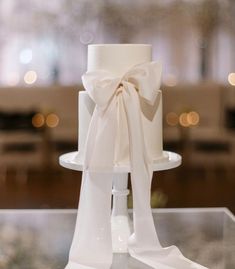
{"x": 43, "y": 52}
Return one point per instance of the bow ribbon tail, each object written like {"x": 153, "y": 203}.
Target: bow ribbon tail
{"x": 91, "y": 137}
{"x": 145, "y": 235}
{"x": 93, "y": 231}
{"x": 100, "y": 144}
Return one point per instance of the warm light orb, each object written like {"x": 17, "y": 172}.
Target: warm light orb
{"x": 183, "y": 120}
{"x": 38, "y": 120}
{"x": 172, "y": 119}
{"x": 30, "y": 77}
{"x": 52, "y": 120}
{"x": 231, "y": 79}
{"x": 193, "y": 118}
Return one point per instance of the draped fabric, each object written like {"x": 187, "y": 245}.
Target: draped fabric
{"x": 118, "y": 99}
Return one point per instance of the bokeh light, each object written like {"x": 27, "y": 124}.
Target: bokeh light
{"x": 183, "y": 120}
{"x": 231, "y": 79}
{"x": 30, "y": 77}
{"x": 172, "y": 119}
{"x": 193, "y": 118}
{"x": 38, "y": 120}
{"x": 52, "y": 120}
{"x": 26, "y": 56}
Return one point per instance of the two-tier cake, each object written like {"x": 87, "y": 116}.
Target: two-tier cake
{"x": 118, "y": 59}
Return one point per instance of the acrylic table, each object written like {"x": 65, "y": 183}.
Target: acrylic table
{"x": 36, "y": 239}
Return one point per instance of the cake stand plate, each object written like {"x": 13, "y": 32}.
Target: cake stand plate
{"x": 120, "y": 223}
{"x": 169, "y": 161}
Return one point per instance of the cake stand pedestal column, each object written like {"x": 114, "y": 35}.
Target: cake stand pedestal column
{"x": 120, "y": 221}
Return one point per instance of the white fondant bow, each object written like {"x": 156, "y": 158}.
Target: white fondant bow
{"x": 117, "y": 100}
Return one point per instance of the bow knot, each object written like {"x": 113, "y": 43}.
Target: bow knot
{"x": 119, "y": 89}
{"x": 145, "y": 78}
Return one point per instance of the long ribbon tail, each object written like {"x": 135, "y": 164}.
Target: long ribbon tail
{"x": 144, "y": 244}
{"x": 100, "y": 145}
{"x": 92, "y": 242}
{"x": 145, "y": 236}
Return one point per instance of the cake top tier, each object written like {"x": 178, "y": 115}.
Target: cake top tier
{"x": 117, "y": 58}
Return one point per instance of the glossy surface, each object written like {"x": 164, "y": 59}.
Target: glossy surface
{"x": 169, "y": 160}
{"x": 35, "y": 239}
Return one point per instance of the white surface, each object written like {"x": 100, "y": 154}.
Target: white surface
{"x": 85, "y": 110}
{"x": 117, "y": 58}
{"x": 174, "y": 160}
{"x": 121, "y": 231}
{"x": 121, "y": 224}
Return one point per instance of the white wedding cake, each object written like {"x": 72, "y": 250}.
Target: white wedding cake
{"x": 123, "y": 129}
{"x": 118, "y": 59}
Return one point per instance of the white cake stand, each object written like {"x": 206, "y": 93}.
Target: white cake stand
{"x": 120, "y": 222}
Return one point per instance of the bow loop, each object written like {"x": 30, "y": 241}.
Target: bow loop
{"x": 146, "y": 78}
{"x": 102, "y": 86}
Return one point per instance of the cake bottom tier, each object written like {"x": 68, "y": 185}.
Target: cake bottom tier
{"x": 151, "y": 122}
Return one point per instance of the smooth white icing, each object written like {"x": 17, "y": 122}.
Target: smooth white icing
{"x": 117, "y": 59}
{"x": 85, "y": 109}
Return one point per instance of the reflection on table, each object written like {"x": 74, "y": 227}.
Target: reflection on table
{"x": 36, "y": 239}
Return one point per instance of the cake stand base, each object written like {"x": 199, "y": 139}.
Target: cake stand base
{"x": 120, "y": 223}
